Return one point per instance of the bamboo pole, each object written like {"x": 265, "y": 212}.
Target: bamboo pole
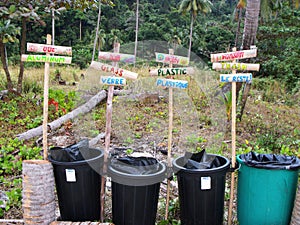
{"x": 110, "y": 95}
{"x": 46, "y": 96}
{"x": 233, "y": 144}
{"x": 171, "y": 52}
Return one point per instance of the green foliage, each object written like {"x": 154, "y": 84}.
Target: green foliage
{"x": 13, "y": 152}
{"x": 82, "y": 56}
{"x": 195, "y": 143}
{"x": 31, "y": 87}
{"x": 279, "y": 49}
{"x": 66, "y": 101}
{"x": 227, "y": 100}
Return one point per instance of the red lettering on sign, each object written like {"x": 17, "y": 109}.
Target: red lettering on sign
{"x": 48, "y": 49}
{"x": 115, "y": 58}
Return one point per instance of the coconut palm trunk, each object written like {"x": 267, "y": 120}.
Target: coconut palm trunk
{"x": 136, "y": 30}
{"x": 251, "y": 23}
{"x": 97, "y": 30}
{"x": 191, "y": 36}
{"x": 249, "y": 36}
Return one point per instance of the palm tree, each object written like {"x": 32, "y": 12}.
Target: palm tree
{"x": 101, "y": 39}
{"x": 113, "y": 36}
{"x": 194, "y": 7}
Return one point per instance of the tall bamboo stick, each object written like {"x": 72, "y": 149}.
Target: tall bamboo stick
{"x": 233, "y": 144}
{"x": 109, "y": 109}
{"x": 46, "y": 96}
{"x": 171, "y": 52}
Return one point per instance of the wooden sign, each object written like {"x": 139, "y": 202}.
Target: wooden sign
{"x": 170, "y": 83}
{"x": 114, "y": 70}
{"x": 115, "y": 81}
{"x": 46, "y": 58}
{"x": 238, "y": 77}
{"x": 116, "y": 57}
{"x": 172, "y": 71}
{"x": 235, "y": 66}
{"x": 174, "y": 59}
{"x": 60, "y": 50}
{"x": 229, "y": 56}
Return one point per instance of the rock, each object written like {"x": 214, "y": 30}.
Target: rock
{"x": 3, "y": 199}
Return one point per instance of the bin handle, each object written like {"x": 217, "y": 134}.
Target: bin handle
{"x": 237, "y": 166}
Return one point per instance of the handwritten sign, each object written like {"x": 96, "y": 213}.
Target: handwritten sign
{"x": 235, "y": 66}
{"x": 172, "y": 71}
{"x": 114, "y": 70}
{"x": 116, "y": 57}
{"x": 60, "y": 50}
{"x": 238, "y": 77}
{"x": 170, "y": 83}
{"x": 46, "y": 58}
{"x": 229, "y": 56}
{"x": 116, "y": 81}
{"x": 174, "y": 59}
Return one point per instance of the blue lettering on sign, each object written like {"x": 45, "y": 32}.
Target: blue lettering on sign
{"x": 236, "y": 77}
{"x": 113, "y": 81}
{"x": 181, "y": 84}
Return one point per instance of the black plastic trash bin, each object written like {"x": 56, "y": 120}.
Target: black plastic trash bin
{"x": 135, "y": 189}
{"x": 201, "y": 188}
{"x": 78, "y": 183}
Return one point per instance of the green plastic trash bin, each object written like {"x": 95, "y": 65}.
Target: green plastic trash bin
{"x": 265, "y": 196}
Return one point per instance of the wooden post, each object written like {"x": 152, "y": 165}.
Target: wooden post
{"x": 45, "y": 112}
{"x": 171, "y": 52}
{"x": 233, "y": 143}
{"x": 233, "y": 78}
{"x": 107, "y": 136}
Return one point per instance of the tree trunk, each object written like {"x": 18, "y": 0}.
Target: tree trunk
{"x": 23, "y": 44}
{"x": 240, "y": 11}
{"x": 251, "y": 23}
{"x": 97, "y": 30}
{"x": 296, "y": 211}
{"x": 80, "y": 30}
{"x": 249, "y": 36}
{"x": 5, "y": 66}
{"x": 136, "y": 29}
{"x": 88, "y": 106}
{"x": 38, "y": 200}
{"x": 191, "y": 36}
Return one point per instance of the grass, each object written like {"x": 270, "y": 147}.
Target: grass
{"x": 270, "y": 122}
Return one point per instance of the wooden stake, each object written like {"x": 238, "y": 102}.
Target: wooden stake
{"x": 45, "y": 112}
{"x": 233, "y": 144}
{"x": 110, "y": 95}
{"x": 171, "y": 52}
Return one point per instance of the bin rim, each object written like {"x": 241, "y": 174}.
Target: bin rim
{"x": 286, "y": 168}
{"x": 77, "y": 163}
{"x": 137, "y": 179}
{"x": 178, "y": 168}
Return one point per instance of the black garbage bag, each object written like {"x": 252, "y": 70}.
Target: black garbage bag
{"x": 201, "y": 160}
{"x": 271, "y": 161}
{"x": 135, "y": 165}
{"x": 70, "y": 153}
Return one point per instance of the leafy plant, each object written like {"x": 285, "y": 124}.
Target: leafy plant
{"x": 63, "y": 102}
{"x": 227, "y": 100}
